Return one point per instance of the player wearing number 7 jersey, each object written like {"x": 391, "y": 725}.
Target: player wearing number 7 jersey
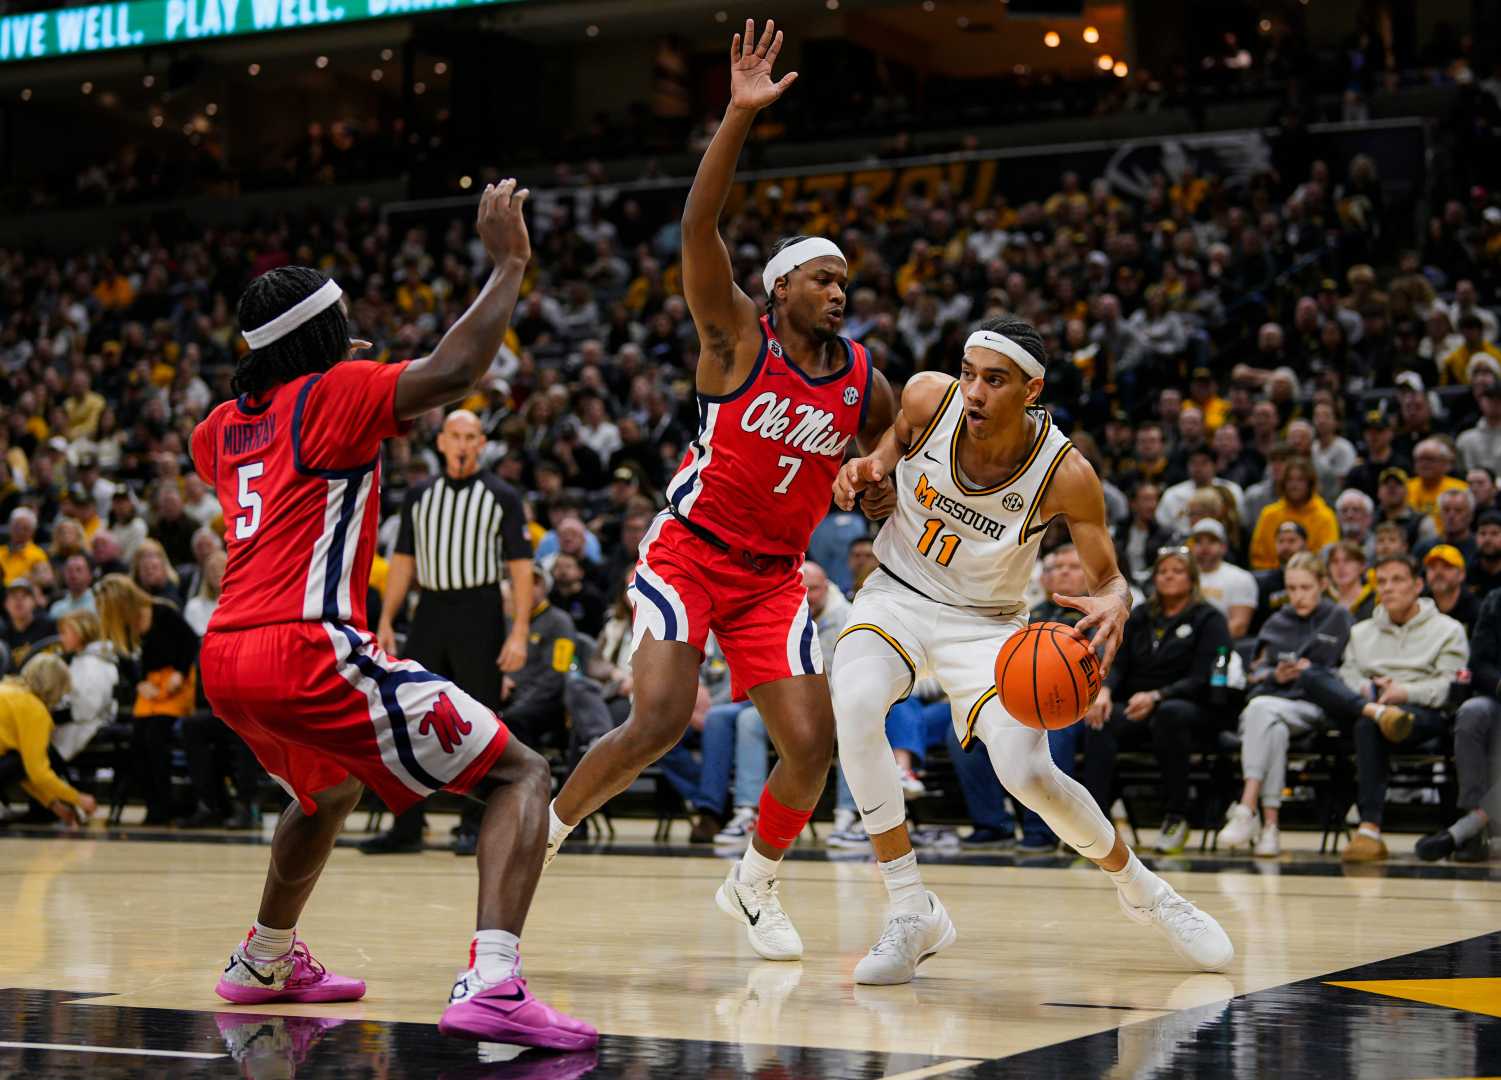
{"x": 780, "y": 398}
{"x": 289, "y": 661}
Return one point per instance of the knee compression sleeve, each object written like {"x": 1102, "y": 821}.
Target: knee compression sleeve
{"x": 867, "y": 678}
{"x": 1024, "y": 767}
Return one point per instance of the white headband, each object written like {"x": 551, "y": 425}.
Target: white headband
{"x": 794, "y": 255}
{"x": 308, "y": 307}
{"x": 989, "y": 339}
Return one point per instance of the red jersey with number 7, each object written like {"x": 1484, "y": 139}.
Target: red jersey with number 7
{"x": 297, "y": 474}
{"x": 760, "y": 473}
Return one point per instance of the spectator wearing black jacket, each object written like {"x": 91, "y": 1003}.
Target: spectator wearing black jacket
{"x": 1484, "y": 574}
{"x": 164, "y": 651}
{"x": 1137, "y": 541}
{"x": 1157, "y": 689}
{"x": 1477, "y": 749}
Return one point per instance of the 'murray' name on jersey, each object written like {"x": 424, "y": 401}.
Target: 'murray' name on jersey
{"x": 933, "y": 499}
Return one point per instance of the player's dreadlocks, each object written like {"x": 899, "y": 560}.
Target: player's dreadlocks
{"x": 786, "y": 241}
{"x": 316, "y": 345}
{"x": 1021, "y": 332}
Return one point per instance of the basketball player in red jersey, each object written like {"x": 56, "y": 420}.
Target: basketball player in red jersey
{"x": 289, "y": 661}
{"x": 780, "y": 398}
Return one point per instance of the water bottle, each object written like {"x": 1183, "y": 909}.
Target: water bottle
{"x": 1219, "y": 679}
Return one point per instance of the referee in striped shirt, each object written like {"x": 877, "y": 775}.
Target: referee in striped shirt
{"x": 457, "y": 534}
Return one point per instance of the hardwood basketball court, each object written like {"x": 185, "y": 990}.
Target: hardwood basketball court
{"x": 109, "y": 952}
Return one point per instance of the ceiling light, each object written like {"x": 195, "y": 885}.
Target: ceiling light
{"x": 87, "y": 88}
{"x": 1091, "y": 35}
{"x": 1051, "y": 39}
{"x": 254, "y": 69}
{"x": 1106, "y": 62}
{"x": 1121, "y": 70}
{"x": 385, "y": 54}
{"x": 465, "y": 182}
{"x": 321, "y": 62}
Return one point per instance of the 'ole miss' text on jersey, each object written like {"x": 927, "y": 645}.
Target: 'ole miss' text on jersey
{"x": 760, "y": 471}
{"x": 726, "y": 556}
{"x": 288, "y": 660}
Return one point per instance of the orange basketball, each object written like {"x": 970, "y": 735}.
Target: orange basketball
{"x": 1047, "y": 675}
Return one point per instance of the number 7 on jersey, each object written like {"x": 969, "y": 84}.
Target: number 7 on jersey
{"x": 791, "y": 463}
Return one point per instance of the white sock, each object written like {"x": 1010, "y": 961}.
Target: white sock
{"x": 904, "y": 886}
{"x": 1371, "y": 831}
{"x": 268, "y": 943}
{"x": 495, "y": 955}
{"x": 557, "y": 828}
{"x": 1137, "y": 884}
{"x": 755, "y": 868}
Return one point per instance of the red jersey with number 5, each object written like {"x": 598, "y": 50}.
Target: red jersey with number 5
{"x": 761, "y": 471}
{"x": 297, "y": 474}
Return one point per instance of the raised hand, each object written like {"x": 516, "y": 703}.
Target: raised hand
{"x": 501, "y": 227}
{"x": 751, "y": 84}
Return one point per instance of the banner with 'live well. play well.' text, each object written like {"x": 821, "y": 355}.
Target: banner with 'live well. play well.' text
{"x": 95, "y": 28}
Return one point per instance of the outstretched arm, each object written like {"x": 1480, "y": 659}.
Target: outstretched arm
{"x": 1076, "y": 494}
{"x": 920, "y": 400}
{"x": 725, "y": 316}
{"x": 466, "y": 351}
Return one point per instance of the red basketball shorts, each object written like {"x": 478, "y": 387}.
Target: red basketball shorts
{"x": 319, "y": 702}
{"x": 685, "y": 588}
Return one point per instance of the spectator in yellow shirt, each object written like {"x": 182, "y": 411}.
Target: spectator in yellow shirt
{"x": 1455, "y": 369}
{"x": 82, "y": 407}
{"x": 1300, "y": 502}
{"x": 26, "y": 731}
{"x": 1432, "y": 458}
{"x": 1204, "y": 392}
{"x": 20, "y": 555}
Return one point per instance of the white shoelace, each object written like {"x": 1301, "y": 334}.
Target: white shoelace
{"x": 771, "y": 906}
{"x": 896, "y": 934}
{"x": 1181, "y": 915}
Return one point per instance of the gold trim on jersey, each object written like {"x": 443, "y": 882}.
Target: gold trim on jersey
{"x": 888, "y": 639}
{"x": 1044, "y": 425}
{"x": 943, "y": 407}
{"x": 974, "y": 717}
{"x": 1025, "y": 533}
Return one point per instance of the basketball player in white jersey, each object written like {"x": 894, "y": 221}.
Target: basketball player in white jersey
{"x": 980, "y": 471}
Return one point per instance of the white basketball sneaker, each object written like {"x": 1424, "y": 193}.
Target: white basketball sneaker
{"x": 770, "y": 931}
{"x": 907, "y": 941}
{"x": 1242, "y": 828}
{"x": 1194, "y": 934}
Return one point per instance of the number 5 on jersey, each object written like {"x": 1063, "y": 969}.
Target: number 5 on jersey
{"x": 246, "y": 524}
{"x": 946, "y": 547}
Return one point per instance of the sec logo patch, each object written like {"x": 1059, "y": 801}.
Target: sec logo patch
{"x": 1012, "y": 501}
{"x": 776, "y": 348}
{"x": 851, "y": 395}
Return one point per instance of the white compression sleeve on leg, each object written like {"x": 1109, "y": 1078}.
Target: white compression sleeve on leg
{"x": 1024, "y": 767}
{"x": 867, "y": 678}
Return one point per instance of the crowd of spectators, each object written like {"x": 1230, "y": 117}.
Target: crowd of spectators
{"x": 1272, "y": 382}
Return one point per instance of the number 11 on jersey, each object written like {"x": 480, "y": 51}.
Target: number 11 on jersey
{"x": 946, "y": 547}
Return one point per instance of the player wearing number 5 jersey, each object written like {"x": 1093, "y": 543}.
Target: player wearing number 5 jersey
{"x": 780, "y": 398}
{"x": 980, "y": 471}
{"x": 289, "y": 661}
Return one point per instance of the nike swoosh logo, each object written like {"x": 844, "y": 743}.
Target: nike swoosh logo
{"x": 931, "y": 458}
{"x": 519, "y": 995}
{"x": 873, "y": 809}
{"x": 264, "y": 980}
{"x": 754, "y": 919}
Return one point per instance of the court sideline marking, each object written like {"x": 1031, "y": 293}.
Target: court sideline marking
{"x": 77, "y": 1048}
{"x": 936, "y": 1070}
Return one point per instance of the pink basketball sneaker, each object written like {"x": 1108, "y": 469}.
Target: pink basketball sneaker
{"x": 506, "y": 1012}
{"x": 294, "y": 976}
